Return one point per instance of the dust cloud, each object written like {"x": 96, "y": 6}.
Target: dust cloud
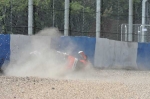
{"x": 39, "y": 59}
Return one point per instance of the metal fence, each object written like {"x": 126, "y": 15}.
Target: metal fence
{"x": 82, "y": 21}
{"x": 14, "y": 16}
{"x": 82, "y": 18}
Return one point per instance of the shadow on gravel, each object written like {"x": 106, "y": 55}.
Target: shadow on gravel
{"x": 1, "y": 72}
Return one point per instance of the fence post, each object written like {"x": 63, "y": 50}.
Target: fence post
{"x": 66, "y": 18}
{"x": 53, "y": 13}
{"x": 30, "y": 17}
{"x": 98, "y": 18}
{"x": 11, "y": 14}
{"x": 143, "y": 20}
{"x": 130, "y": 21}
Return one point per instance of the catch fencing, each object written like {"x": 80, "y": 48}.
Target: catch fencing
{"x": 140, "y": 32}
{"x": 82, "y": 16}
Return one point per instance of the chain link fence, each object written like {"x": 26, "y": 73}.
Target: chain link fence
{"x": 49, "y": 13}
{"x": 14, "y": 16}
{"x": 82, "y": 18}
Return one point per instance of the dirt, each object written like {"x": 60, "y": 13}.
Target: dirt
{"x": 96, "y": 84}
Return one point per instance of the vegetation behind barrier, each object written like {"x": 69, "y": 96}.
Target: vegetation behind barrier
{"x": 48, "y": 13}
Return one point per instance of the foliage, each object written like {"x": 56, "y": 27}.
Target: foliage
{"x": 113, "y": 8}
{"x": 81, "y": 11}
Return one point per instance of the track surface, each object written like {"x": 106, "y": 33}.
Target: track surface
{"x": 95, "y": 84}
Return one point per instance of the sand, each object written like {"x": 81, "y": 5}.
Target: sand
{"x": 100, "y": 84}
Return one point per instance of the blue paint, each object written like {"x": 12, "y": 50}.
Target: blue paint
{"x": 4, "y": 48}
{"x": 143, "y": 55}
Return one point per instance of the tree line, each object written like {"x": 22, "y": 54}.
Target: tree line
{"x": 48, "y": 13}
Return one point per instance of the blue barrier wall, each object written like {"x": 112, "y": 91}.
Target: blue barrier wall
{"x": 143, "y": 56}
{"x": 72, "y": 45}
{"x": 4, "y": 48}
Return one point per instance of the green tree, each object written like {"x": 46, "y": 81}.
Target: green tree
{"x": 82, "y": 14}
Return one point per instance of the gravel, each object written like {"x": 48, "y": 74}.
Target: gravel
{"x": 99, "y": 84}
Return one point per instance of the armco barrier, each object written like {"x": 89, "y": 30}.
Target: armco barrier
{"x": 101, "y": 52}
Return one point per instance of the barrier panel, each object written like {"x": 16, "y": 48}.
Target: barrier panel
{"x": 143, "y": 56}
{"x": 115, "y": 54}
{"x": 4, "y": 48}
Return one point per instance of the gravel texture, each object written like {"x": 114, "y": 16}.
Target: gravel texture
{"x": 99, "y": 84}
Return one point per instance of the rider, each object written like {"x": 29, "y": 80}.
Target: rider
{"x": 75, "y": 63}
